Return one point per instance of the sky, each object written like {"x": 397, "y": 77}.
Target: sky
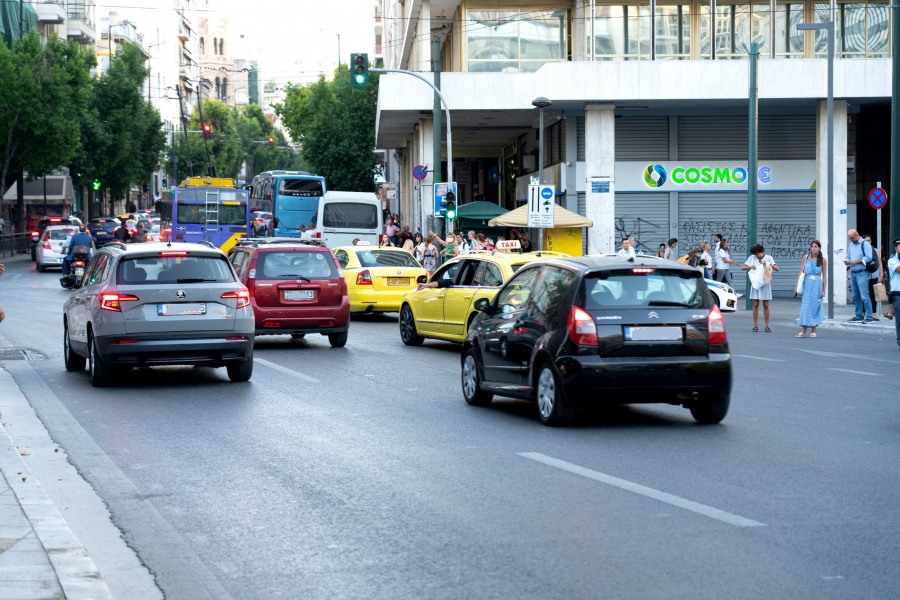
{"x": 293, "y": 36}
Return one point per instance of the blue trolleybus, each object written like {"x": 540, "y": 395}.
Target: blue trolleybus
{"x": 291, "y": 196}
{"x": 207, "y": 208}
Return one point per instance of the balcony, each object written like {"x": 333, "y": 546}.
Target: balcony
{"x": 122, "y": 31}
{"x": 184, "y": 26}
{"x": 79, "y": 25}
{"x": 51, "y": 12}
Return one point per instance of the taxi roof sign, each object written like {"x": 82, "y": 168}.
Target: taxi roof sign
{"x": 509, "y": 245}
{"x": 363, "y": 243}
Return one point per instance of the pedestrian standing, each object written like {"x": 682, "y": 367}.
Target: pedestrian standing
{"x": 661, "y": 253}
{"x": 525, "y": 241}
{"x": 706, "y": 260}
{"x": 449, "y": 246}
{"x": 762, "y": 265}
{"x": 894, "y": 270}
{"x": 627, "y": 251}
{"x": 813, "y": 267}
{"x": 876, "y": 277}
{"x": 408, "y": 246}
{"x": 429, "y": 255}
{"x": 671, "y": 249}
{"x": 405, "y": 235}
{"x": 3, "y": 314}
{"x": 858, "y": 252}
{"x": 392, "y": 232}
{"x": 479, "y": 242}
{"x": 419, "y": 245}
{"x": 723, "y": 264}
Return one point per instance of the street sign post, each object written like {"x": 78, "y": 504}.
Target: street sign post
{"x": 420, "y": 172}
{"x": 541, "y": 206}
{"x": 878, "y": 200}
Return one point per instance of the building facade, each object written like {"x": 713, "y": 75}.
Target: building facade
{"x": 647, "y": 134}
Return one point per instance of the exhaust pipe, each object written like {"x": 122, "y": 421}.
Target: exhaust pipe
{"x": 695, "y": 396}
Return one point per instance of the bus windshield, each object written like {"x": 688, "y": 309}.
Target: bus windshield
{"x": 195, "y": 214}
{"x": 301, "y": 187}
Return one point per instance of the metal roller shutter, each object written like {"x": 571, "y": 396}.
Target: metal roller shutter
{"x": 644, "y": 216}
{"x": 702, "y": 215}
{"x": 642, "y": 138}
{"x": 582, "y": 210}
{"x": 787, "y": 137}
{"x": 784, "y": 137}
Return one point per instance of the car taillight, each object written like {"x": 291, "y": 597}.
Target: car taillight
{"x": 260, "y": 221}
{"x": 582, "y": 328}
{"x": 113, "y": 302}
{"x": 716, "y": 328}
{"x": 242, "y": 296}
{"x": 364, "y": 278}
{"x": 46, "y": 245}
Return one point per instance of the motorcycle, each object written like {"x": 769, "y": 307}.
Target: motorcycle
{"x": 80, "y": 257}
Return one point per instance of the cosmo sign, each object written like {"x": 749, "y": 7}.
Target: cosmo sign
{"x": 714, "y": 176}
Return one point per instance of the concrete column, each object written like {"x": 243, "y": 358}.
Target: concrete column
{"x": 425, "y": 157}
{"x": 571, "y": 125}
{"x": 839, "y": 252}
{"x": 423, "y": 38}
{"x": 600, "y": 161}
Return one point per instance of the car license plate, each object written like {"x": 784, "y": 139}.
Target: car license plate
{"x": 398, "y": 280}
{"x": 181, "y": 309}
{"x": 654, "y": 334}
{"x": 299, "y": 294}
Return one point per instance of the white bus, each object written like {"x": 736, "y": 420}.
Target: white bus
{"x": 345, "y": 216}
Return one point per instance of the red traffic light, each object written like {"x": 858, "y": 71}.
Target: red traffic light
{"x": 271, "y": 140}
{"x": 206, "y": 128}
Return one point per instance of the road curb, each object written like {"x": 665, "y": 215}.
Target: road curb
{"x": 879, "y": 327}
{"x": 75, "y": 570}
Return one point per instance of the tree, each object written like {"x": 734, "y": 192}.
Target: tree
{"x": 224, "y": 143}
{"x": 254, "y": 130}
{"x": 335, "y": 124}
{"x": 45, "y": 89}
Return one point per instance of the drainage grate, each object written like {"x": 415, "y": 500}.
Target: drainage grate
{"x": 21, "y": 354}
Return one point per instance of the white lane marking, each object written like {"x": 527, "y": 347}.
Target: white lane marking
{"x": 286, "y": 371}
{"x": 843, "y": 355}
{"x": 759, "y": 357}
{"x": 855, "y": 372}
{"x": 702, "y": 509}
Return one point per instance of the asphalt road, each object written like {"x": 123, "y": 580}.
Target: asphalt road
{"x": 361, "y": 472}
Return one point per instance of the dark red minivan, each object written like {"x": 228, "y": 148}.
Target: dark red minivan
{"x": 296, "y": 287}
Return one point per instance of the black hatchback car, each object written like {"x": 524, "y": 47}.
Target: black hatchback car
{"x": 600, "y": 329}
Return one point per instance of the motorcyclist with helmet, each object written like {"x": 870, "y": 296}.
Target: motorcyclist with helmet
{"x": 80, "y": 239}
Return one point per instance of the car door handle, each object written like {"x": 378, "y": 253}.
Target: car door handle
{"x": 467, "y": 297}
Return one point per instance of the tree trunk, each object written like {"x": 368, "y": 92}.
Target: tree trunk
{"x": 21, "y": 221}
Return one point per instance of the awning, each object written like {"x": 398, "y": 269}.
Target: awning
{"x": 561, "y": 218}
{"x": 480, "y": 210}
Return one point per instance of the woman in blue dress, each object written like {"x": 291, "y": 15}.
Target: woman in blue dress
{"x": 814, "y": 282}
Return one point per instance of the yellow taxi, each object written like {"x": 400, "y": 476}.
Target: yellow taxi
{"x": 377, "y": 277}
{"x": 446, "y": 312}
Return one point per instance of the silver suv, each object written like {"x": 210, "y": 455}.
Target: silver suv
{"x": 158, "y": 304}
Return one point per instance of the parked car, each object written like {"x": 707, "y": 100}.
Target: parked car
{"x": 725, "y": 296}
{"x": 52, "y": 246}
{"x": 596, "y": 329}
{"x": 296, "y": 287}
{"x": 103, "y": 229}
{"x": 158, "y": 304}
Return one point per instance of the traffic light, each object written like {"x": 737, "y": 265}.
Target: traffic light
{"x": 448, "y": 206}
{"x": 207, "y": 129}
{"x": 271, "y": 141}
{"x": 359, "y": 70}
{"x": 96, "y": 185}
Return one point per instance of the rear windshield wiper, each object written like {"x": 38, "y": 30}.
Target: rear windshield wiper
{"x": 670, "y": 303}
{"x": 298, "y": 276}
{"x": 196, "y": 280}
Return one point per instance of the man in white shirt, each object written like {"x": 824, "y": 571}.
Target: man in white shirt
{"x": 311, "y": 231}
{"x": 627, "y": 251}
{"x": 894, "y": 270}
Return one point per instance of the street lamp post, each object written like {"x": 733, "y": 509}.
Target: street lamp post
{"x": 541, "y": 103}
{"x": 828, "y": 27}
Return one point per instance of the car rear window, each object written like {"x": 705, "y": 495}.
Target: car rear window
{"x": 288, "y": 264}
{"x": 153, "y": 270}
{"x": 60, "y": 234}
{"x": 104, "y": 223}
{"x": 350, "y": 215}
{"x": 629, "y": 289}
{"x": 386, "y": 258}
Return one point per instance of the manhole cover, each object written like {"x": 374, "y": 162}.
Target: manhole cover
{"x": 21, "y": 354}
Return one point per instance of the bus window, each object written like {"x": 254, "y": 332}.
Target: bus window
{"x": 350, "y": 215}
{"x": 301, "y": 187}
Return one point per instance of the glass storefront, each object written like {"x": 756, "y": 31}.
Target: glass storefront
{"x": 501, "y": 41}
{"x": 861, "y": 29}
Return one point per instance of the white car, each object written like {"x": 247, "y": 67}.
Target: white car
{"x": 724, "y": 294}
{"x": 51, "y": 248}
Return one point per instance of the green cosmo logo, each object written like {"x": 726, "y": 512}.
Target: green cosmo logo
{"x": 655, "y": 176}
{"x": 709, "y": 175}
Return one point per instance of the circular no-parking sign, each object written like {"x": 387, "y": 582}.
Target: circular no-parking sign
{"x": 878, "y": 198}
{"x": 420, "y": 172}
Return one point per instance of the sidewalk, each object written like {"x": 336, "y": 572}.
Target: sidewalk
{"x": 40, "y": 556}
{"x": 788, "y": 309}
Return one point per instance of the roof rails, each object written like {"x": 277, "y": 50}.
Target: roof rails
{"x": 206, "y": 243}
{"x": 116, "y": 243}
{"x": 257, "y": 242}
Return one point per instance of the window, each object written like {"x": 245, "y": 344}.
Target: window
{"x": 552, "y": 290}
{"x": 623, "y": 289}
{"x": 448, "y": 271}
{"x": 788, "y": 39}
{"x": 96, "y": 270}
{"x": 202, "y": 46}
{"x": 386, "y": 258}
{"x": 342, "y": 257}
{"x": 238, "y": 260}
{"x": 488, "y": 275}
{"x": 350, "y": 215}
{"x": 153, "y": 270}
{"x": 861, "y": 29}
{"x": 196, "y": 214}
{"x": 673, "y": 31}
{"x": 516, "y": 293}
{"x": 300, "y": 187}
{"x": 501, "y": 41}
{"x": 620, "y": 31}
{"x": 294, "y": 264}
{"x": 60, "y": 234}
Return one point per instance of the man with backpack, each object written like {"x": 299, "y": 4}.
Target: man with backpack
{"x": 860, "y": 255}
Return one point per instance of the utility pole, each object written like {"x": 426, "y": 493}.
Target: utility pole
{"x": 436, "y": 118}
{"x": 210, "y": 167}
{"x": 895, "y": 127}
{"x": 184, "y": 127}
{"x": 752, "y": 181}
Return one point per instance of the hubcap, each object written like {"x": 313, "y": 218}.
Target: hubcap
{"x": 546, "y": 393}
{"x": 469, "y": 383}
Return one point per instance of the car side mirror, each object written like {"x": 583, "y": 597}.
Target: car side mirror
{"x": 422, "y": 279}
{"x": 482, "y": 305}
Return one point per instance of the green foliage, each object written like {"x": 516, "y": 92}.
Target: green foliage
{"x": 122, "y": 136}
{"x": 224, "y": 145}
{"x": 45, "y": 88}
{"x": 335, "y": 124}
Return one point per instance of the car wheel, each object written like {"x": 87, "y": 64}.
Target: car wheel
{"x": 73, "y": 361}
{"x": 40, "y": 267}
{"x": 711, "y": 411}
{"x": 554, "y": 408}
{"x": 240, "y": 371}
{"x": 337, "y": 340}
{"x": 471, "y": 381}
{"x": 408, "y": 327}
{"x": 100, "y": 373}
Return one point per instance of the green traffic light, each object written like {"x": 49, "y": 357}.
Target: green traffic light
{"x": 451, "y": 214}
{"x": 96, "y": 184}
{"x": 360, "y": 78}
